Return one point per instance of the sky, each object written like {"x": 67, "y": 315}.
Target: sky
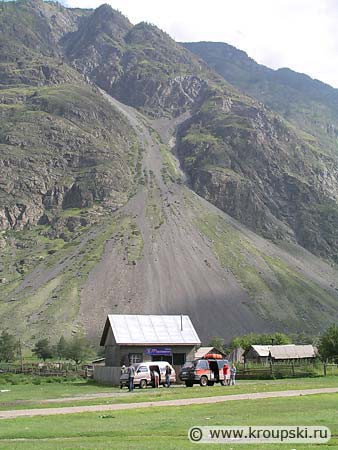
{"x": 299, "y": 34}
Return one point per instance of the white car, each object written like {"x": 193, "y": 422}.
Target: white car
{"x": 143, "y": 374}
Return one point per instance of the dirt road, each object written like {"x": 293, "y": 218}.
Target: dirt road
{"x": 180, "y": 402}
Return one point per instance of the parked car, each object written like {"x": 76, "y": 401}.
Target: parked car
{"x": 205, "y": 372}
{"x": 143, "y": 374}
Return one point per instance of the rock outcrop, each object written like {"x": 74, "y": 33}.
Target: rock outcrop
{"x": 253, "y": 165}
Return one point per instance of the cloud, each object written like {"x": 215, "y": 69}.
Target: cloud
{"x": 300, "y": 34}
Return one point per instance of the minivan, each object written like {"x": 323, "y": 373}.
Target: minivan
{"x": 143, "y": 376}
{"x": 206, "y": 372}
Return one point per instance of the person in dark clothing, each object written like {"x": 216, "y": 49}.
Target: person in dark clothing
{"x": 131, "y": 373}
{"x": 167, "y": 376}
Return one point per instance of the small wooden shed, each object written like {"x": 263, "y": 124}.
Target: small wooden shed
{"x": 280, "y": 353}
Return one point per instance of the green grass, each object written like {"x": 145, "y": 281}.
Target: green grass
{"x": 30, "y": 396}
{"x": 157, "y": 427}
{"x": 199, "y": 138}
{"x": 169, "y": 170}
{"x": 154, "y": 211}
{"x": 33, "y": 392}
{"x": 132, "y": 239}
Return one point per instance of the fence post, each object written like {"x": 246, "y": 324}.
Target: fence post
{"x": 324, "y": 367}
{"x": 293, "y": 368}
{"x": 271, "y": 369}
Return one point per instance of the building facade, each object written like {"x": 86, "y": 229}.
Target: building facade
{"x": 290, "y": 353}
{"x": 137, "y": 338}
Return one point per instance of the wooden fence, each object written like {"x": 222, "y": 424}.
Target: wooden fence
{"x": 105, "y": 375}
{"x": 35, "y": 370}
{"x": 272, "y": 371}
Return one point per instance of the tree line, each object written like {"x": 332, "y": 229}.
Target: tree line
{"x": 77, "y": 349}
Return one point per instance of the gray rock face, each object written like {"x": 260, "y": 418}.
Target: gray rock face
{"x": 307, "y": 103}
{"x": 140, "y": 65}
{"x": 18, "y": 216}
{"x": 252, "y": 165}
{"x": 62, "y": 148}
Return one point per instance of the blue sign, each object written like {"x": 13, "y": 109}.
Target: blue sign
{"x": 158, "y": 351}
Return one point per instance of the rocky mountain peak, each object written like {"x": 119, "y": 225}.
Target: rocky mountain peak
{"x": 145, "y": 31}
{"x": 109, "y": 21}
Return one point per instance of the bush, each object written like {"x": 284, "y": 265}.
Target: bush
{"x": 8, "y": 347}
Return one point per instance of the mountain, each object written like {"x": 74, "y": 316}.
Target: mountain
{"x": 135, "y": 179}
{"x": 145, "y": 68}
{"x": 309, "y": 104}
{"x": 140, "y": 65}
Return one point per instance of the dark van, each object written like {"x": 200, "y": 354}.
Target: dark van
{"x": 205, "y": 372}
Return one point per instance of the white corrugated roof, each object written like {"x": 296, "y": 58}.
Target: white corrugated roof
{"x": 290, "y": 351}
{"x": 293, "y": 351}
{"x": 202, "y": 351}
{"x": 262, "y": 350}
{"x": 153, "y": 329}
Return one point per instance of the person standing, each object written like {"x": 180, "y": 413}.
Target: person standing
{"x": 167, "y": 376}
{"x": 156, "y": 379}
{"x": 131, "y": 373}
{"x": 226, "y": 374}
{"x": 123, "y": 371}
{"x": 233, "y": 372}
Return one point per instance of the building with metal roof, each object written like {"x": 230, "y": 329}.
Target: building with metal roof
{"x": 281, "y": 353}
{"x": 130, "y": 338}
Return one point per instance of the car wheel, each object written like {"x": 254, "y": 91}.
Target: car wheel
{"x": 204, "y": 381}
{"x": 189, "y": 384}
{"x": 143, "y": 384}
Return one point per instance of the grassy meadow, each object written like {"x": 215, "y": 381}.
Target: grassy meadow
{"x": 157, "y": 427}
{"x": 72, "y": 393}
